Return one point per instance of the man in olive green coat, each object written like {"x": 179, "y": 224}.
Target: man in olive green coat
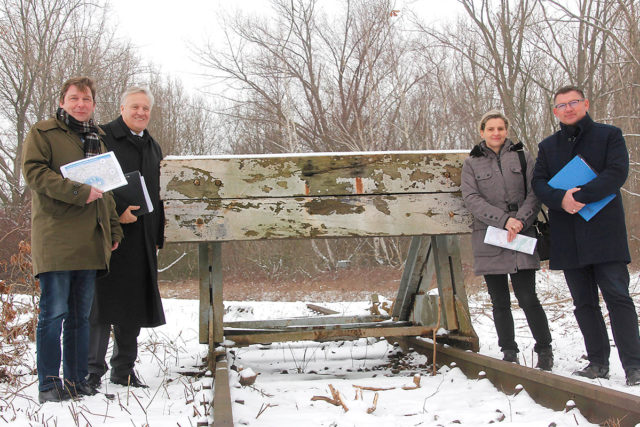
{"x": 74, "y": 228}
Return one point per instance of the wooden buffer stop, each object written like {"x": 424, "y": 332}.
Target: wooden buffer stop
{"x": 216, "y": 199}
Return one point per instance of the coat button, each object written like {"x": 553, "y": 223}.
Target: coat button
{"x": 75, "y": 192}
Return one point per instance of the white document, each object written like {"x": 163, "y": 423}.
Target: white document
{"x": 102, "y": 171}
{"x": 498, "y": 237}
{"x": 147, "y": 199}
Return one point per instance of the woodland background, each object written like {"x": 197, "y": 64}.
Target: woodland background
{"x": 360, "y": 77}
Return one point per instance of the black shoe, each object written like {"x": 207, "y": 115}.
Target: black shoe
{"x": 545, "y": 359}
{"x": 633, "y": 376}
{"x": 129, "y": 381}
{"x": 592, "y": 371}
{"x": 81, "y": 389}
{"x": 54, "y": 394}
{"x": 94, "y": 380}
{"x": 510, "y": 356}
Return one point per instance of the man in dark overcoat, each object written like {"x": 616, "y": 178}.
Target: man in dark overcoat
{"x": 128, "y": 298}
{"x": 593, "y": 254}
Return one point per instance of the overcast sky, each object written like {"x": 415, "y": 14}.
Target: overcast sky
{"x": 163, "y": 29}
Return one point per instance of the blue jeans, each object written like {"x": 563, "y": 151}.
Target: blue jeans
{"x": 613, "y": 280}
{"x": 65, "y": 302}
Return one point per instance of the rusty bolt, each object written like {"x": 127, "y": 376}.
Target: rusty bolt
{"x": 196, "y": 182}
{"x": 199, "y": 221}
{"x": 218, "y": 182}
{"x": 447, "y": 175}
{"x": 451, "y": 214}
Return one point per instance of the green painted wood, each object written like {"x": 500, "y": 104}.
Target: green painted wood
{"x": 299, "y": 175}
{"x": 237, "y": 219}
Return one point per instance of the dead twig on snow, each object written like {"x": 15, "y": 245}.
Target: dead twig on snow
{"x": 375, "y": 404}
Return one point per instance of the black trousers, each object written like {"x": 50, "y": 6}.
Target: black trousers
{"x": 613, "y": 280}
{"x": 125, "y": 349}
{"x": 524, "y": 287}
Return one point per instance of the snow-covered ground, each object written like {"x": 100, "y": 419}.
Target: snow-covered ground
{"x": 290, "y": 374}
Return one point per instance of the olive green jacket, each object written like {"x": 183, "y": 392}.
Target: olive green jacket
{"x": 66, "y": 232}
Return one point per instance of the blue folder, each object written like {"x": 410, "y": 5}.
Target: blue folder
{"x": 575, "y": 173}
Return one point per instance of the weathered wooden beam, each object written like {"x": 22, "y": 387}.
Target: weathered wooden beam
{"x": 204, "y": 273}
{"x": 229, "y": 333}
{"x": 331, "y": 334}
{"x": 313, "y": 174}
{"x": 320, "y": 309}
{"x": 303, "y": 321}
{"x": 306, "y": 217}
{"x": 218, "y": 305}
{"x": 446, "y": 275}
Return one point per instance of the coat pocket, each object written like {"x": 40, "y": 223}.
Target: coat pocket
{"x": 58, "y": 209}
{"x": 480, "y": 248}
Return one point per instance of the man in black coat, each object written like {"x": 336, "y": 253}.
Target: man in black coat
{"x": 593, "y": 254}
{"x": 128, "y": 298}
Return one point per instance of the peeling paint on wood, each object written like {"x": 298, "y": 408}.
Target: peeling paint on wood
{"x": 399, "y": 215}
{"x": 382, "y": 194}
{"x": 324, "y": 175}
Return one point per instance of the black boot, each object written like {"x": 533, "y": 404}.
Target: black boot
{"x": 510, "y": 356}
{"x": 545, "y": 359}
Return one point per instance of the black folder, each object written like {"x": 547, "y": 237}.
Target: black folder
{"x": 135, "y": 193}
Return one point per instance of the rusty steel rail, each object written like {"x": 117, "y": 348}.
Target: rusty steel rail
{"x": 222, "y": 414}
{"x": 597, "y": 404}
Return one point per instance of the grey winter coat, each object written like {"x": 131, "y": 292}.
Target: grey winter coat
{"x": 490, "y": 182}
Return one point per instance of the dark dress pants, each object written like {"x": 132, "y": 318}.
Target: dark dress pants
{"x": 613, "y": 280}
{"x": 524, "y": 287}
{"x": 125, "y": 349}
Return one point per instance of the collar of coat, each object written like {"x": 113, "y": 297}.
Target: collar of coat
{"x": 578, "y": 129}
{"x": 122, "y": 130}
{"x": 482, "y": 150}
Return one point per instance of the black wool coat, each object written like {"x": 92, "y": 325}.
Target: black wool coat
{"x": 129, "y": 294}
{"x": 576, "y": 243}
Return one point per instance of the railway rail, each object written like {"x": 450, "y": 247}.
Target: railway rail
{"x": 597, "y": 404}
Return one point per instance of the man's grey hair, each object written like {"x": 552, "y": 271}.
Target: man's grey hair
{"x": 136, "y": 89}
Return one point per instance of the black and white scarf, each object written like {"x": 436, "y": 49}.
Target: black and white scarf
{"x": 87, "y": 131}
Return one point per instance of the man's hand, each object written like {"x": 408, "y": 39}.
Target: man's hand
{"x": 569, "y": 204}
{"x": 513, "y": 227}
{"x": 114, "y": 246}
{"x": 127, "y": 217}
{"x": 94, "y": 195}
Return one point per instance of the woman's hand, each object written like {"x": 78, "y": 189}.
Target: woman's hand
{"x": 513, "y": 227}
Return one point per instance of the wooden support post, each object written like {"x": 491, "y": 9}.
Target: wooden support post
{"x": 418, "y": 256}
{"x": 204, "y": 272}
{"x": 218, "y": 306}
{"x": 446, "y": 276}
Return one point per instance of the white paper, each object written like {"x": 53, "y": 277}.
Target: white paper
{"x": 102, "y": 172}
{"x": 498, "y": 237}
{"x": 146, "y": 194}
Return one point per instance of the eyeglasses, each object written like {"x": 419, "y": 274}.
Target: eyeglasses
{"x": 572, "y": 104}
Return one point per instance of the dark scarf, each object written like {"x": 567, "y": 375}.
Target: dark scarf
{"x": 87, "y": 131}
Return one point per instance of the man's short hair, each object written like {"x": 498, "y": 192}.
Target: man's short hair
{"x": 567, "y": 89}
{"x": 136, "y": 89}
{"x": 493, "y": 114}
{"x": 82, "y": 83}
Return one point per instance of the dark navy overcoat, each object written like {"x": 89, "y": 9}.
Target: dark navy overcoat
{"x": 129, "y": 295}
{"x": 575, "y": 242}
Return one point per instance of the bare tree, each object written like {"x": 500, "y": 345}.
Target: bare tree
{"x": 41, "y": 44}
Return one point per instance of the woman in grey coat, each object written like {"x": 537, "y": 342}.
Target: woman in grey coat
{"x": 493, "y": 190}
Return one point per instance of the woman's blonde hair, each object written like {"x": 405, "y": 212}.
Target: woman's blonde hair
{"x": 493, "y": 114}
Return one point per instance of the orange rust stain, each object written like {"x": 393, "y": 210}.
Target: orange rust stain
{"x": 359, "y": 186}
{"x": 306, "y": 189}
